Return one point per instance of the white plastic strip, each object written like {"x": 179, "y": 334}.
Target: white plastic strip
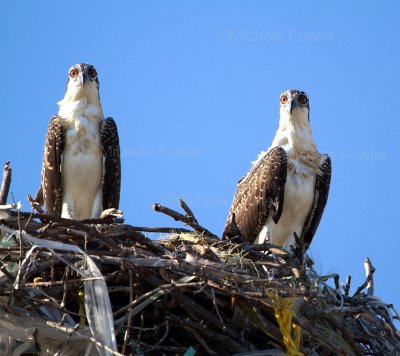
{"x": 97, "y": 301}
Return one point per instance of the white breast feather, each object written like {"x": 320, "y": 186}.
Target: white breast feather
{"x": 299, "y": 187}
{"x": 82, "y": 161}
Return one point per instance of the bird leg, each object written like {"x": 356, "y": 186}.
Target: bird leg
{"x": 299, "y": 249}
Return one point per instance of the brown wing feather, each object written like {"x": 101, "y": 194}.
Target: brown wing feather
{"x": 260, "y": 194}
{"x": 52, "y": 184}
{"x": 112, "y": 164}
{"x": 320, "y": 198}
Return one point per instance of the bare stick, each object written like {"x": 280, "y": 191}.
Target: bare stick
{"x": 128, "y": 326}
{"x": 180, "y": 217}
{"x": 216, "y": 306}
{"x": 103, "y": 221}
{"x": 369, "y": 282}
{"x": 37, "y": 201}
{"x": 108, "y": 220}
{"x": 5, "y": 185}
{"x": 159, "y": 342}
{"x": 167, "y": 230}
{"x": 71, "y": 222}
{"x": 347, "y": 287}
{"x": 369, "y": 272}
{"x": 188, "y": 211}
{"x": 21, "y": 243}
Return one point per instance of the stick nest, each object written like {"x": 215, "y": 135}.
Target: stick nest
{"x": 186, "y": 293}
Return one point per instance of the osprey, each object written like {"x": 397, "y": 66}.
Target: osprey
{"x": 81, "y": 171}
{"x": 286, "y": 190}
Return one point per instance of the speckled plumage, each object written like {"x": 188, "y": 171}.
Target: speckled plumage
{"x": 286, "y": 190}
{"x": 81, "y": 171}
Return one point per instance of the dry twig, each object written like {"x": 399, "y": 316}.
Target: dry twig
{"x": 5, "y": 185}
{"x": 188, "y": 219}
{"x": 187, "y": 291}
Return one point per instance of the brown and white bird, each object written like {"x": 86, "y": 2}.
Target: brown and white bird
{"x": 286, "y": 190}
{"x": 81, "y": 171}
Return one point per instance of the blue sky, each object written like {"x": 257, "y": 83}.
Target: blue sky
{"x": 194, "y": 88}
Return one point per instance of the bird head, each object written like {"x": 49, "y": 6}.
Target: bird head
{"x": 82, "y": 81}
{"x": 295, "y": 105}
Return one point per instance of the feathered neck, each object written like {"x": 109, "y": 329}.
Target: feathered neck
{"x": 294, "y": 135}
{"x": 294, "y": 132}
{"x": 83, "y": 101}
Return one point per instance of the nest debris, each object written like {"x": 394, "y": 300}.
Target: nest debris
{"x": 101, "y": 287}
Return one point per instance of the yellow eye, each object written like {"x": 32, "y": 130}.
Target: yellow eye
{"x": 92, "y": 73}
{"x": 303, "y": 99}
{"x": 73, "y": 73}
{"x": 283, "y": 99}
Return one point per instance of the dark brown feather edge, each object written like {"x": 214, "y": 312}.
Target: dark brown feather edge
{"x": 322, "y": 184}
{"x": 259, "y": 194}
{"x": 52, "y": 184}
{"x": 112, "y": 164}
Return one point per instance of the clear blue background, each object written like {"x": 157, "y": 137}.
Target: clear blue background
{"x": 194, "y": 88}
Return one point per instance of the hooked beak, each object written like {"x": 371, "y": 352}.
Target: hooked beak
{"x": 83, "y": 77}
{"x": 295, "y": 104}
